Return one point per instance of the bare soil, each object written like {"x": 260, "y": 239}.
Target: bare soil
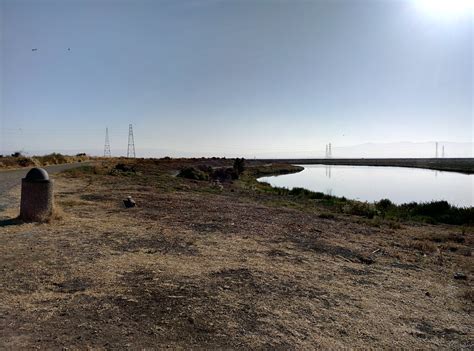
{"x": 200, "y": 266}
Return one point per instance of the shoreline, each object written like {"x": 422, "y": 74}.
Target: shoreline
{"x": 432, "y": 211}
{"x": 458, "y": 165}
{"x": 277, "y": 174}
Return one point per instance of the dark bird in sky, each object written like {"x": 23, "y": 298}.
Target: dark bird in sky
{"x": 68, "y": 49}
{"x": 34, "y": 49}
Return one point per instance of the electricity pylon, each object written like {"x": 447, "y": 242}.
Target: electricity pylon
{"x": 131, "y": 142}
{"x": 107, "y": 144}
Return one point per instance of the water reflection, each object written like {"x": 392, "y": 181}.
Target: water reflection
{"x": 374, "y": 183}
{"x": 328, "y": 170}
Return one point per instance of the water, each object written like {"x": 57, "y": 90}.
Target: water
{"x": 368, "y": 183}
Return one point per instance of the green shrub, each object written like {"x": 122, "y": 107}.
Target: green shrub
{"x": 224, "y": 174}
{"x": 326, "y": 216}
{"x": 430, "y": 212}
{"x": 383, "y": 205}
{"x": 239, "y": 166}
{"x": 122, "y": 167}
{"x": 362, "y": 209}
{"x": 299, "y": 192}
{"x": 193, "y": 173}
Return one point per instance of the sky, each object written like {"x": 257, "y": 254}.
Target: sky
{"x": 233, "y": 78}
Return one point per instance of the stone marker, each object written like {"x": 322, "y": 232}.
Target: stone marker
{"x": 36, "y": 196}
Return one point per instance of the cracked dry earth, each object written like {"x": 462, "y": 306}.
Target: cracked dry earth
{"x": 196, "y": 269}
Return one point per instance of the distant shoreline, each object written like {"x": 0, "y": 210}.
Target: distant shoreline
{"x": 459, "y": 165}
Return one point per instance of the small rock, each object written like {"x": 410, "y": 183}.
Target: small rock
{"x": 129, "y": 202}
{"x": 460, "y": 276}
{"x": 428, "y": 294}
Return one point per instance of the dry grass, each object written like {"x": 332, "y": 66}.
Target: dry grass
{"x": 468, "y": 295}
{"x": 423, "y": 246}
{"x": 9, "y": 162}
{"x": 197, "y": 267}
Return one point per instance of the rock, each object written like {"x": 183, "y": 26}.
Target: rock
{"x": 460, "y": 276}
{"x": 129, "y": 202}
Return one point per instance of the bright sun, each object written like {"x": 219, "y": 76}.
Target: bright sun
{"x": 446, "y": 8}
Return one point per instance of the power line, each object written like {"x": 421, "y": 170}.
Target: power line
{"x": 131, "y": 142}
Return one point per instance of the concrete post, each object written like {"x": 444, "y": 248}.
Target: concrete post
{"x": 36, "y": 196}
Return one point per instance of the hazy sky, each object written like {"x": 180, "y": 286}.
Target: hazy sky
{"x": 232, "y": 77}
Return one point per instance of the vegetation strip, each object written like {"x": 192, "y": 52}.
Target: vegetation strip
{"x": 430, "y": 212}
{"x": 460, "y": 165}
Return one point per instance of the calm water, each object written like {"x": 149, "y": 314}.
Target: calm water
{"x": 367, "y": 183}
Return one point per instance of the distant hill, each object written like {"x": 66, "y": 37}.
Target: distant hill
{"x": 367, "y": 150}
{"x": 405, "y": 149}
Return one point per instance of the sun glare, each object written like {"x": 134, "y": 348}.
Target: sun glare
{"x": 446, "y": 8}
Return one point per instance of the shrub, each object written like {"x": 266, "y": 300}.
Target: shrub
{"x": 437, "y": 212}
{"x": 239, "y": 166}
{"x": 122, "y": 167}
{"x": 17, "y": 154}
{"x": 296, "y": 191}
{"x": 52, "y": 159}
{"x": 362, "y": 209}
{"x": 193, "y": 173}
{"x": 383, "y": 205}
{"x": 224, "y": 174}
{"x": 25, "y": 162}
{"x": 205, "y": 169}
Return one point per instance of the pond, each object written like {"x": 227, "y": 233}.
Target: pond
{"x": 369, "y": 183}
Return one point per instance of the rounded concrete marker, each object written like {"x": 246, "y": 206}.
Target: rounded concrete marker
{"x": 36, "y": 196}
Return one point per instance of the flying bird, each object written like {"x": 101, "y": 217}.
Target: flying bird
{"x": 35, "y": 49}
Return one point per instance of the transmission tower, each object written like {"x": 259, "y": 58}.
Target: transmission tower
{"x": 436, "y": 151}
{"x": 131, "y": 143}
{"x": 329, "y": 151}
{"x": 107, "y": 144}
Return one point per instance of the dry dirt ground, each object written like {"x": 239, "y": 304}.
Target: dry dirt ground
{"x": 195, "y": 266}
